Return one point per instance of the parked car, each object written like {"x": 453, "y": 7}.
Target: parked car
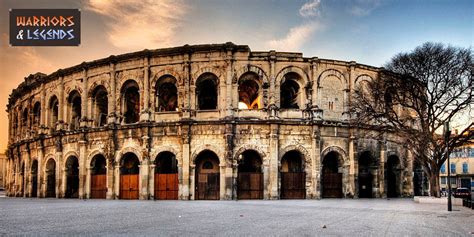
{"x": 462, "y": 193}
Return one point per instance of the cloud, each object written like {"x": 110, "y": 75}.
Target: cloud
{"x": 295, "y": 38}
{"x": 140, "y": 24}
{"x": 363, "y": 7}
{"x": 310, "y": 8}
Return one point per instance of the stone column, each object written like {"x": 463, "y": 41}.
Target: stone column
{"x": 83, "y": 167}
{"x": 227, "y": 98}
{"x": 352, "y": 165}
{"x": 151, "y": 181}
{"x": 61, "y": 110}
{"x": 111, "y": 106}
{"x": 273, "y": 93}
{"x": 316, "y": 158}
{"x": 273, "y": 159}
{"x": 145, "y": 113}
{"x": 144, "y": 178}
{"x": 60, "y": 180}
{"x": 40, "y": 172}
{"x": 84, "y": 100}
{"x": 87, "y": 188}
{"x": 187, "y": 191}
{"x": 110, "y": 180}
{"x": 42, "y": 111}
{"x": 222, "y": 186}
{"x": 116, "y": 185}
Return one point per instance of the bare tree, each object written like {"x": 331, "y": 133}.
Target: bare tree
{"x": 417, "y": 93}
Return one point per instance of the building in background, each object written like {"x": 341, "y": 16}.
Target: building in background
{"x": 462, "y": 168}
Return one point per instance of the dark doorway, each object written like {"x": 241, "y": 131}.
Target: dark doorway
{"x": 206, "y": 91}
{"x": 98, "y": 177}
{"x": 365, "y": 179}
{"x": 51, "y": 178}
{"x": 207, "y": 176}
{"x": 100, "y": 105}
{"x": 289, "y": 92}
{"x": 129, "y": 175}
{"x": 392, "y": 176}
{"x": 293, "y": 176}
{"x": 166, "y": 98}
{"x": 34, "y": 178}
{"x": 130, "y": 102}
{"x": 72, "y": 177}
{"x": 331, "y": 178}
{"x": 249, "y": 91}
{"x": 166, "y": 176}
{"x": 250, "y": 176}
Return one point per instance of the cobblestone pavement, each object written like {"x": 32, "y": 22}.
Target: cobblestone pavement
{"x": 334, "y": 217}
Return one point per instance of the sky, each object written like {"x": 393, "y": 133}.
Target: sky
{"x": 366, "y": 31}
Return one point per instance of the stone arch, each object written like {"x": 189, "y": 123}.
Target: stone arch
{"x": 99, "y": 82}
{"x": 128, "y": 149}
{"x": 217, "y": 151}
{"x": 45, "y": 162}
{"x": 67, "y": 155}
{"x": 363, "y": 77}
{"x": 165, "y": 72}
{"x": 127, "y": 75}
{"x": 299, "y": 148}
{"x": 92, "y": 154}
{"x": 246, "y": 147}
{"x": 212, "y": 70}
{"x": 166, "y": 94}
{"x": 251, "y": 68}
{"x": 343, "y": 154}
{"x": 206, "y": 92}
{"x": 295, "y": 69}
{"x": 160, "y": 149}
{"x": 333, "y": 72}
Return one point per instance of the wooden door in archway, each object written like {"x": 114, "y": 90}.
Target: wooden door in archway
{"x": 166, "y": 177}
{"x": 250, "y": 176}
{"x": 331, "y": 178}
{"x": 98, "y": 177}
{"x": 129, "y": 177}
{"x": 293, "y": 176}
{"x": 207, "y": 176}
{"x": 34, "y": 179}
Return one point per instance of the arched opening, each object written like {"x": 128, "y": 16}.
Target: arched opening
{"x": 24, "y": 119}
{"x": 166, "y": 176}
{"x": 365, "y": 179}
{"x": 393, "y": 176}
{"x": 51, "y": 178}
{"x": 129, "y": 175}
{"x": 100, "y": 105}
{"x": 207, "y": 176}
{"x": 74, "y": 109}
{"x": 53, "y": 112}
{"x": 15, "y": 124}
{"x": 166, "y": 98}
{"x": 22, "y": 178}
{"x": 290, "y": 92}
{"x": 420, "y": 179}
{"x": 331, "y": 177}
{"x": 130, "y": 101}
{"x": 72, "y": 177}
{"x": 206, "y": 92}
{"x": 98, "y": 177}
{"x": 34, "y": 178}
{"x": 250, "y": 176}
{"x": 36, "y": 115}
{"x": 293, "y": 176}
{"x": 249, "y": 91}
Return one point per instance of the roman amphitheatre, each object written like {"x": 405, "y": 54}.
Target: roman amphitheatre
{"x": 217, "y": 122}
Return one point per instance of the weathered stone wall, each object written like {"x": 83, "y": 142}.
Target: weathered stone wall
{"x": 316, "y": 128}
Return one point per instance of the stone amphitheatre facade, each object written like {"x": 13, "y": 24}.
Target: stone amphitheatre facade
{"x": 200, "y": 122}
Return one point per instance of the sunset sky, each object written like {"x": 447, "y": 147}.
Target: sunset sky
{"x": 366, "y": 31}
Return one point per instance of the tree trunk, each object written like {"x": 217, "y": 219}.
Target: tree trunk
{"x": 434, "y": 184}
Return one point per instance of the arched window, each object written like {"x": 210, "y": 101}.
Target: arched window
{"x": 443, "y": 169}
{"x": 453, "y": 168}
{"x": 465, "y": 168}
{"x": 74, "y": 109}
{"x": 249, "y": 91}
{"x": 24, "y": 118}
{"x": 166, "y": 98}
{"x": 100, "y": 105}
{"x": 206, "y": 92}
{"x": 130, "y": 101}
{"x": 53, "y": 112}
{"x": 36, "y": 114}
{"x": 290, "y": 92}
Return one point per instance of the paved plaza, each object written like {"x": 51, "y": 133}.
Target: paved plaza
{"x": 330, "y": 217}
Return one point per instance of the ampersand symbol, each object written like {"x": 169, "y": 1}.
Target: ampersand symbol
{"x": 19, "y": 36}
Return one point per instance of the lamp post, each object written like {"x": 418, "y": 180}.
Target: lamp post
{"x": 447, "y": 134}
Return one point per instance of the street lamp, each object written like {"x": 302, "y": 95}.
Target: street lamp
{"x": 447, "y": 134}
